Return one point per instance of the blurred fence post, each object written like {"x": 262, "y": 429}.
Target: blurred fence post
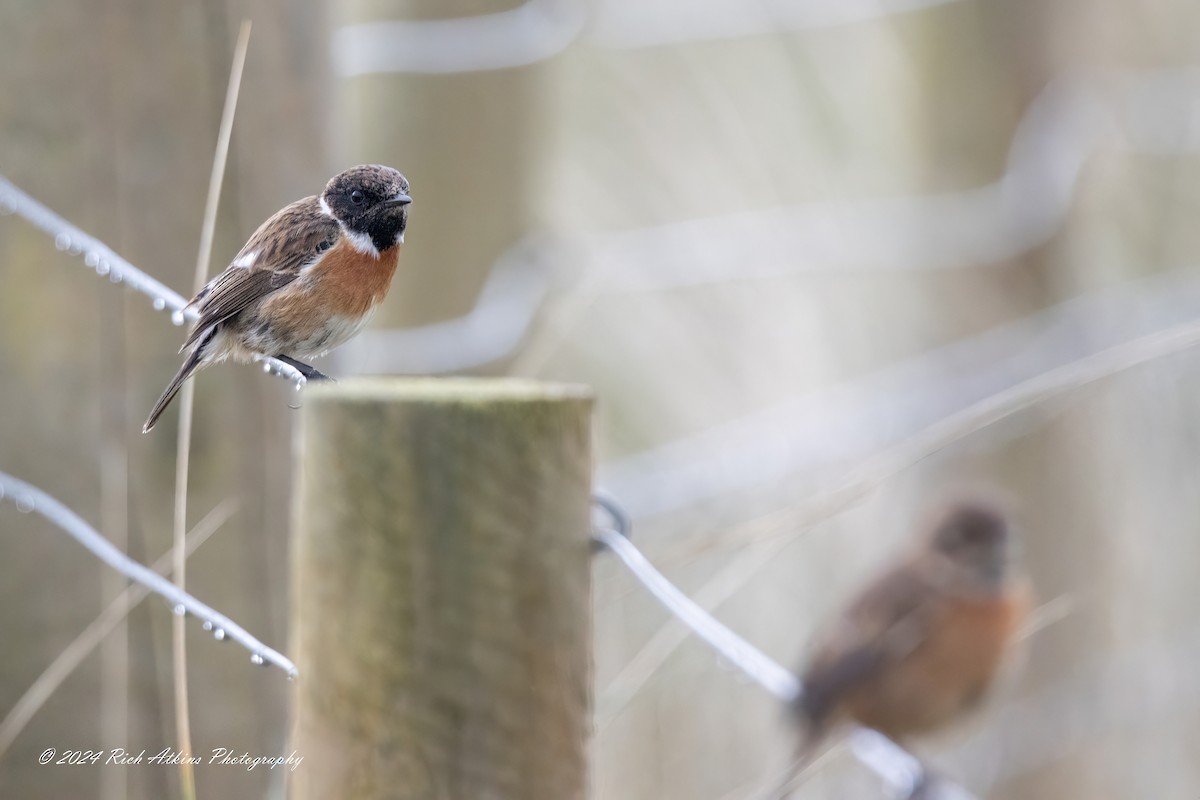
{"x": 472, "y": 136}
{"x": 441, "y": 596}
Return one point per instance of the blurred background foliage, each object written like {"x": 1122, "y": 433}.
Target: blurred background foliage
{"x": 777, "y": 236}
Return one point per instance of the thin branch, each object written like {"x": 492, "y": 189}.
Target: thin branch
{"x": 29, "y": 498}
{"x": 90, "y": 637}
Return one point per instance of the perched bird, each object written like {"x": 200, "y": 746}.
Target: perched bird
{"x": 921, "y": 643}
{"x": 306, "y": 281}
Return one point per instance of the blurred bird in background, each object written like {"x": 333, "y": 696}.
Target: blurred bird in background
{"x": 921, "y": 644}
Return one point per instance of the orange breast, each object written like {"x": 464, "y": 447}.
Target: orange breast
{"x": 948, "y": 672}
{"x": 327, "y": 303}
{"x": 351, "y": 283}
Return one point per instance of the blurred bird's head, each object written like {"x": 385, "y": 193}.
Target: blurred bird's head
{"x": 975, "y": 538}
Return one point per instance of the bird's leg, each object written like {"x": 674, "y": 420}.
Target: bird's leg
{"x": 309, "y": 372}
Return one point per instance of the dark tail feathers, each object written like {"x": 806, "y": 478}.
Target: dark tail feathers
{"x": 193, "y": 362}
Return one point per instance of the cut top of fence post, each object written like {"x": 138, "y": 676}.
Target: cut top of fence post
{"x": 445, "y": 390}
{"x": 441, "y": 589}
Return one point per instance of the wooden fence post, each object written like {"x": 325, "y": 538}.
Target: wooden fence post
{"x": 441, "y": 596}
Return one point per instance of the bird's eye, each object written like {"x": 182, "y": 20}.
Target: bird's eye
{"x": 357, "y": 197}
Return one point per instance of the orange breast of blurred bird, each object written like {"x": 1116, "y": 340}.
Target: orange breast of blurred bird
{"x": 948, "y": 672}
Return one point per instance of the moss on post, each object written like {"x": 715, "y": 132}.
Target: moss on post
{"x": 441, "y": 590}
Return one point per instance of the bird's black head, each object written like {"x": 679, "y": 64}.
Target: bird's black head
{"x": 371, "y": 201}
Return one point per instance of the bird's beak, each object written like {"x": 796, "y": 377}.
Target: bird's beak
{"x": 400, "y": 199}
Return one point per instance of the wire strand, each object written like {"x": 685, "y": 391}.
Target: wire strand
{"x": 74, "y": 654}
{"x": 29, "y": 498}
{"x": 105, "y": 261}
{"x": 761, "y": 669}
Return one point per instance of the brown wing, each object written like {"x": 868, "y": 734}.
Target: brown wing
{"x": 282, "y": 246}
{"x": 884, "y": 625}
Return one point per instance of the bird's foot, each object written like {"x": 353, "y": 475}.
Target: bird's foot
{"x": 309, "y": 372}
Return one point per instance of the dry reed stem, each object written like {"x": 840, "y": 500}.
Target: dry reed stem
{"x": 183, "y": 451}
